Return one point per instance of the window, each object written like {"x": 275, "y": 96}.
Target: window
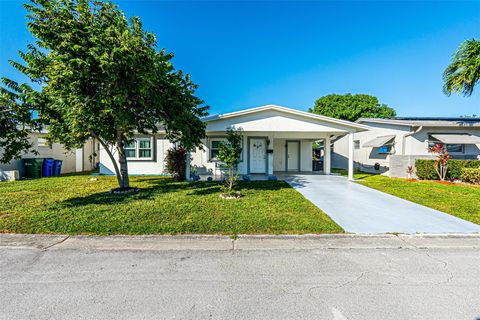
{"x": 385, "y": 149}
{"x": 42, "y": 142}
{"x": 356, "y": 144}
{"x": 214, "y": 147}
{"x": 451, "y": 148}
{"x": 140, "y": 149}
{"x": 215, "y": 144}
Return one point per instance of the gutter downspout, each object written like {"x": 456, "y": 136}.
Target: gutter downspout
{"x": 404, "y": 138}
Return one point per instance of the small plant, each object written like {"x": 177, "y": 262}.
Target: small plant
{"x": 229, "y": 153}
{"x": 441, "y": 160}
{"x": 175, "y": 162}
{"x": 471, "y": 175}
{"x": 410, "y": 172}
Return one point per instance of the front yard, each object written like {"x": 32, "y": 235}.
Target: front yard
{"x": 459, "y": 200}
{"x": 79, "y": 205}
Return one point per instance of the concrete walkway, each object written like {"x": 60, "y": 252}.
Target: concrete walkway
{"x": 360, "y": 209}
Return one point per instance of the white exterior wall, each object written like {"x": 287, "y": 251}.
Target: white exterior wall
{"x": 274, "y": 125}
{"x": 415, "y": 144}
{"x": 139, "y": 167}
{"x": 366, "y": 157}
{"x": 56, "y": 151}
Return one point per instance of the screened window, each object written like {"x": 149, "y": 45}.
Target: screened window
{"x": 140, "y": 149}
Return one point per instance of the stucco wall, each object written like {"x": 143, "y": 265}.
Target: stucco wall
{"x": 200, "y": 158}
{"x": 56, "y": 151}
{"x": 415, "y": 146}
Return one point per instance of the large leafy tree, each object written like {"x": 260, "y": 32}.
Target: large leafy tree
{"x": 16, "y": 124}
{"x": 102, "y": 77}
{"x": 351, "y": 107}
{"x": 463, "y": 73}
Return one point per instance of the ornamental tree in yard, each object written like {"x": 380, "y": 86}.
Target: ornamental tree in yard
{"x": 441, "y": 160}
{"x": 351, "y": 107}
{"x": 229, "y": 154}
{"x": 101, "y": 76}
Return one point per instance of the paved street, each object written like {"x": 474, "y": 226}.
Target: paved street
{"x": 311, "y": 277}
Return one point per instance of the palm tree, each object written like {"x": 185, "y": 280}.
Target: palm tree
{"x": 463, "y": 73}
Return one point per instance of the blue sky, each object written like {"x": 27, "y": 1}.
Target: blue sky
{"x": 246, "y": 54}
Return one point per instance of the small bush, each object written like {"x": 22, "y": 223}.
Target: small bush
{"x": 176, "y": 163}
{"x": 426, "y": 170}
{"x": 471, "y": 175}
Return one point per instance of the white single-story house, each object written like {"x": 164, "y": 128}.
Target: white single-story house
{"x": 391, "y": 145}
{"x": 275, "y": 139}
{"x": 79, "y": 160}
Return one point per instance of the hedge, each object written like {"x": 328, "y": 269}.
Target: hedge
{"x": 426, "y": 171}
{"x": 471, "y": 175}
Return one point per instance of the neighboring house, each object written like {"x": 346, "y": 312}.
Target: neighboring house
{"x": 79, "y": 160}
{"x": 275, "y": 139}
{"x": 391, "y": 145}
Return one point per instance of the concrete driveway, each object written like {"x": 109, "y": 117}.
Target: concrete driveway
{"x": 360, "y": 209}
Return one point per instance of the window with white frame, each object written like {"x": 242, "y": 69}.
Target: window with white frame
{"x": 43, "y": 142}
{"x": 140, "y": 149}
{"x": 214, "y": 146}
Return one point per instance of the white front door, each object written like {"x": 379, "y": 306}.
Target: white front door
{"x": 258, "y": 156}
{"x": 293, "y": 149}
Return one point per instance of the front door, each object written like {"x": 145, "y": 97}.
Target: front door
{"x": 293, "y": 149}
{"x": 258, "y": 155}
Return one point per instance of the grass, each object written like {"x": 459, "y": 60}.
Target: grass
{"x": 459, "y": 200}
{"x": 76, "y": 204}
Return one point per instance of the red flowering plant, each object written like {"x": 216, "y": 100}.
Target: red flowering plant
{"x": 441, "y": 160}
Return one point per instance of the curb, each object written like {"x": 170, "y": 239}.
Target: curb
{"x": 241, "y": 242}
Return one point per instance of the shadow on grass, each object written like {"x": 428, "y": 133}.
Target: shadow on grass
{"x": 164, "y": 186}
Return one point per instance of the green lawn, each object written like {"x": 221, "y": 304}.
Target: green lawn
{"x": 76, "y": 205}
{"x": 459, "y": 200}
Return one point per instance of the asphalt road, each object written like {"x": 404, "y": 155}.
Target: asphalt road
{"x": 384, "y": 277}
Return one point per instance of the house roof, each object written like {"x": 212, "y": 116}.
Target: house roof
{"x": 357, "y": 126}
{"x": 424, "y": 121}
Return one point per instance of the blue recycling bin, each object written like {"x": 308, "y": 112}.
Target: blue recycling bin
{"x": 57, "y": 167}
{"x": 47, "y": 168}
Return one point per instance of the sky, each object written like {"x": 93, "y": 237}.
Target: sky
{"x": 247, "y": 54}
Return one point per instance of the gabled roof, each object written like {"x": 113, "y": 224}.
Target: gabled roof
{"x": 358, "y": 126}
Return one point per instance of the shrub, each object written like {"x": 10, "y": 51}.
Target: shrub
{"x": 176, "y": 162}
{"x": 426, "y": 170}
{"x": 471, "y": 175}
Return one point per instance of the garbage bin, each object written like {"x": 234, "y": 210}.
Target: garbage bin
{"x": 47, "y": 169}
{"x": 57, "y": 167}
{"x": 33, "y": 167}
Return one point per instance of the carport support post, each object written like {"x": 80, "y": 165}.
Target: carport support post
{"x": 327, "y": 150}
{"x": 350, "y": 156}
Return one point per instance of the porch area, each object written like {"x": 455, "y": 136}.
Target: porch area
{"x": 275, "y": 139}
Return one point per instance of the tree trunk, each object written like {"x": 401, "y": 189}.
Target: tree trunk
{"x": 124, "y": 182}
{"x": 112, "y": 158}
